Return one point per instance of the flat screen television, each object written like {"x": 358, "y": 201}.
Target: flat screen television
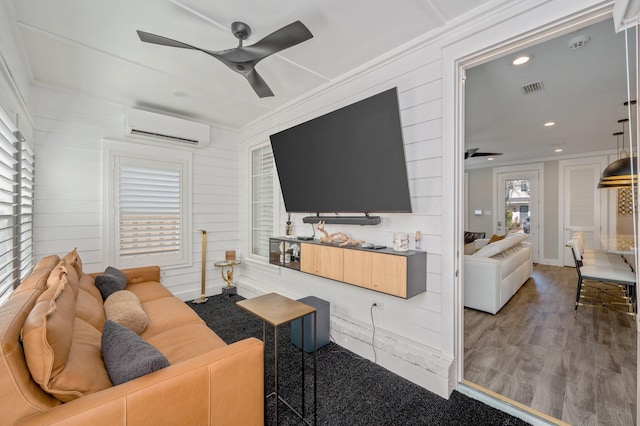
{"x": 347, "y": 161}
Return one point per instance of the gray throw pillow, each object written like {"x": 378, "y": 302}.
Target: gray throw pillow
{"x": 126, "y": 355}
{"x": 111, "y": 281}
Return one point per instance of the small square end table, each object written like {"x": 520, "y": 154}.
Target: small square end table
{"x": 277, "y": 310}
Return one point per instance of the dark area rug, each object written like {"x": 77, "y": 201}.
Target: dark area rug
{"x": 351, "y": 390}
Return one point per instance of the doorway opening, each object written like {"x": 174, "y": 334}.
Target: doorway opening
{"x": 533, "y": 351}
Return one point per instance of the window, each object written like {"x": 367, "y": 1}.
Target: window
{"x": 16, "y": 207}
{"x": 262, "y": 200}
{"x": 149, "y": 205}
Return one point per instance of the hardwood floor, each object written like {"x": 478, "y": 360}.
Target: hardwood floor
{"x": 580, "y": 370}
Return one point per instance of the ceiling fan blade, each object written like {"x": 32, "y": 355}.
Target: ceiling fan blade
{"x": 164, "y": 41}
{"x": 259, "y": 85}
{"x": 469, "y": 153}
{"x": 285, "y": 37}
{"x": 485, "y": 154}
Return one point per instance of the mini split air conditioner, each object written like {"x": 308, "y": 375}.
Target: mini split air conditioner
{"x": 153, "y": 126}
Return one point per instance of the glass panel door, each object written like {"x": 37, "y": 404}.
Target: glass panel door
{"x": 517, "y": 202}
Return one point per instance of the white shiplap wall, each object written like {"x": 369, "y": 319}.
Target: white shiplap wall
{"x": 408, "y": 331}
{"x": 69, "y": 181}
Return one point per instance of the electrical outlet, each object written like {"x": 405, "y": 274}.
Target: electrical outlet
{"x": 377, "y": 305}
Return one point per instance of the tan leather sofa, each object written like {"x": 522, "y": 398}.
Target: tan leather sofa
{"x": 207, "y": 383}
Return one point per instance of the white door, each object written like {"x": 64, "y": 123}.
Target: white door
{"x": 517, "y": 203}
{"x": 583, "y": 204}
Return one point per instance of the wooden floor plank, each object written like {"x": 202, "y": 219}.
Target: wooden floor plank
{"x": 581, "y": 370}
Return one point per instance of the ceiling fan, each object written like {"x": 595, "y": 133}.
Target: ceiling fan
{"x": 243, "y": 59}
{"x": 473, "y": 152}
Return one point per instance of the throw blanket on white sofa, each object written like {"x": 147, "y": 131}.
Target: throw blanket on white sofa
{"x": 495, "y": 272}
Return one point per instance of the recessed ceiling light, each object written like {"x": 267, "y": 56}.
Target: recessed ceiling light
{"x": 558, "y": 150}
{"x": 521, "y": 60}
{"x": 549, "y": 123}
{"x": 490, "y": 159}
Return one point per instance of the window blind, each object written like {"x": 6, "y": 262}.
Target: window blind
{"x": 25, "y": 237}
{"x": 149, "y": 209}
{"x": 262, "y": 204}
{"x": 16, "y": 207}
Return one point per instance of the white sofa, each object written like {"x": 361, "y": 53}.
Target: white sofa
{"x": 496, "y": 271}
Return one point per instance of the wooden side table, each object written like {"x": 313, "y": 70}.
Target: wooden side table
{"x": 276, "y": 310}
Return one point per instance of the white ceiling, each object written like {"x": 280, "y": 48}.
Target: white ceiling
{"x": 91, "y": 47}
{"x": 584, "y": 94}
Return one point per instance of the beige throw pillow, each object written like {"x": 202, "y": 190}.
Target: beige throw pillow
{"x": 123, "y": 307}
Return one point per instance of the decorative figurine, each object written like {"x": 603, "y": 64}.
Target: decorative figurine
{"x": 227, "y": 275}
{"x": 341, "y": 237}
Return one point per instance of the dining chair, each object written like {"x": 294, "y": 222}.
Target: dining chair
{"x": 607, "y": 273}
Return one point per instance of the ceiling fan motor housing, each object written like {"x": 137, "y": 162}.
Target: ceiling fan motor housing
{"x": 240, "y": 30}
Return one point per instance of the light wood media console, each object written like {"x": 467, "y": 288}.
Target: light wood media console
{"x": 401, "y": 274}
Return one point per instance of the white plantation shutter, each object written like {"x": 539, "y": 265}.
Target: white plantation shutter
{"x": 151, "y": 223}
{"x": 8, "y": 198}
{"x": 16, "y": 207}
{"x": 25, "y": 237}
{"x": 262, "y": 200}
{"x": 149, "y": 207}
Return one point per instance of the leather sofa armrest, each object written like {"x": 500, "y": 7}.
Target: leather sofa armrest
{"x": 220, "y": 387}
{"x": 142, "y": 274}
{"x": 139, "y": 274}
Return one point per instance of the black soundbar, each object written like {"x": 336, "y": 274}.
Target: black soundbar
{"x": 343, "y": 220}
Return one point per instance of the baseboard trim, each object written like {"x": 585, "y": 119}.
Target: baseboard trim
{"x": 407, "y": 350}
{"x": 415, "y": 362}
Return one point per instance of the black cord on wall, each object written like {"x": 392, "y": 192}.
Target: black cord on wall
{"x": 373, "y": 337}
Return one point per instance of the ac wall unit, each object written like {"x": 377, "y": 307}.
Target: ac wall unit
{"x": 153, "y": 126}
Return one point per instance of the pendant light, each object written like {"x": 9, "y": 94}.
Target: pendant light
{"x": 622, "y": 173}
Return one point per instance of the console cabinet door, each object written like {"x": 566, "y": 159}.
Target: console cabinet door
{"x": 322, "y": 260}
{"x": 331, "y": 263}
{"x": 357, "y": 268}
{"x": 308, "y": 255}
{"x": 389, "y": 274}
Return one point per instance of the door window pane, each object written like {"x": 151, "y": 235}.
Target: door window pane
{"x": 517, "y": 207}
